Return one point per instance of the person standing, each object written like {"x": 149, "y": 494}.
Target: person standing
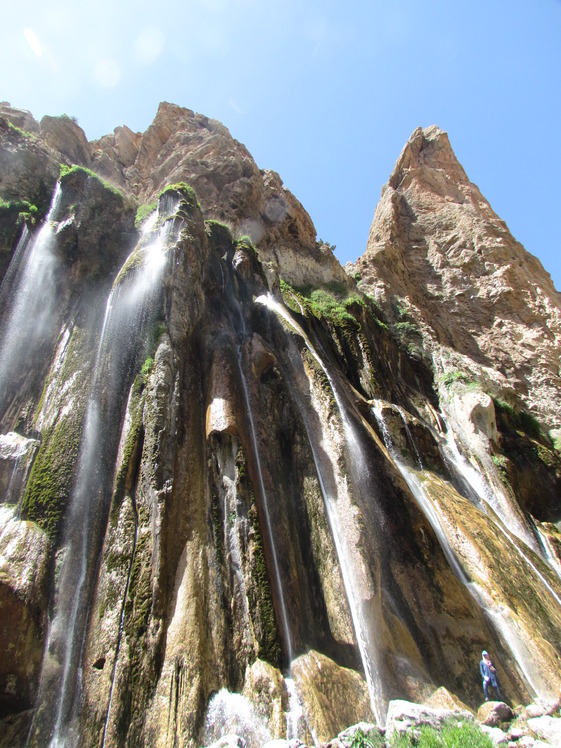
{"x": 489, "y": 675}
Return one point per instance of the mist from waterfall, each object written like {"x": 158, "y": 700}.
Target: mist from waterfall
{"x": 27, "y": 298}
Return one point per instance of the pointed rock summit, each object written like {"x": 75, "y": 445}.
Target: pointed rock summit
{"x": 440, "y": 260}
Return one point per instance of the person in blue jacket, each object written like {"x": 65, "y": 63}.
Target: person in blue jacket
{"x": 489, "y": 675}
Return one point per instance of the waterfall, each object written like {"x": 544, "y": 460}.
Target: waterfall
{"x": 266, "y": 516}
{"x": 505, "y": 520}
{"x": 490, "y": 494}
{"x": 27, "y": 298}
{"x": 232, "y": 713}
{"x": 498, "y": 615}
{"x": 423, "y": 501}
{"x": 127, "y": 314}
{"x": 364, "y": 624}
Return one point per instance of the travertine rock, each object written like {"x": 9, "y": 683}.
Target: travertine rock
{"x": 334, "y": 696}
{"x": 484, "y": 304}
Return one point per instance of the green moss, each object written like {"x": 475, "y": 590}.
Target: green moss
{"x": 217, "y": 526}
{"x": 212, "y": 224}
{"x": 260, "y": 598}
{"x": 453, "y": 377}
{"x": 22, "y": 133}
{"x": 147, "y": 367}
{"x": 142, "y": 212}
{"x": 331, "y": 302}
{"x": 518, "y": 420}
{"x": 259, "y": 594}
{"x": 187, "y": 193}
{"x": 50, "y": 482}
{"x": 132, "y": 442}
{"x": 66, "y": 171}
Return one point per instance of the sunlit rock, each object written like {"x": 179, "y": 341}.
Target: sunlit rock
{"x": 333, "y": 697}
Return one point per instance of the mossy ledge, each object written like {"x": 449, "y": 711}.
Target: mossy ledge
{"x": 50, "y": 482}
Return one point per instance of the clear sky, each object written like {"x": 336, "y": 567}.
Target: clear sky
{"x": 325, "y": 93}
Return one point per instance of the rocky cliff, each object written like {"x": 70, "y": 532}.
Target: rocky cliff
{"x": 241, "y": 493}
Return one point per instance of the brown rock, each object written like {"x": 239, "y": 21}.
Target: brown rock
{"x": 335, "y": 697}
{"x": 64, "y": 135}
{"x": 443, "y": 699}
{"x": 436, "y": 245}
{"x": 492, "y": 713}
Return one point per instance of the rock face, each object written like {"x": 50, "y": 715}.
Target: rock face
{"x": 235, "y": 506}
{"x": 482, "y": 304}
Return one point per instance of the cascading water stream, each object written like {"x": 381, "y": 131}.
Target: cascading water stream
{"x": 480, "y": 487}
{"x": 499, "y": 617}
{"x": 366, "y": 638}
{"x": 266, "y": 515}
{"x": 121, "y": 618}
{"x": 127, "y": 312}
{"x": 419, "y": 494}
{"x": 27, "y": 300}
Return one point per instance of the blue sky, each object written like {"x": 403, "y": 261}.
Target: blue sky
{"x": 325, "y": 93}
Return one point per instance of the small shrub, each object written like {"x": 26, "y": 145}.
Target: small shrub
{"x": 22, "y": 133}
{"x": 362, "y": 740}
{"x": 147, "y": 367}
{"x": 451, "y": 377}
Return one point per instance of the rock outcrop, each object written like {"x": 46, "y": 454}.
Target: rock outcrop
{"x": 446, "y": 268}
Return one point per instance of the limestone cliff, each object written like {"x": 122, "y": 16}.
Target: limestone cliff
{"x": 440, "y": 258}
{"x": 239, "y": 494}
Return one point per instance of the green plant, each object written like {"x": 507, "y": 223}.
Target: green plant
{"x": 519, "y": 420}
{"x": 22, "y": 133}
{"x": 187, "y": 192}
{"x": 27, "y": 211}
{"x": 451, "y": 377}
{"x": 451, "y": 735}
{"x": 143, "y": 212}
{"x": 361, "y": 740}
{"x": 147, "y": 367}
{"x": 67, "y": 170}
{"x": 500, "y": 461}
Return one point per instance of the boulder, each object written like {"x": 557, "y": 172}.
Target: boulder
{"x": 496, "y": 734}
{"x": 547, "y": 728}
{"x": 493, "y": 713}
{"x": 334, "y": 696}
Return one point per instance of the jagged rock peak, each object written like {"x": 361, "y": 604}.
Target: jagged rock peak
{"x": 482, "y": 304}
{"x": 427, "y": 149}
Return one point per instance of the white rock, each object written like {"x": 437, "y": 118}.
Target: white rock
{"x": 547, "y": 728}
{"x": 496, "y": 734}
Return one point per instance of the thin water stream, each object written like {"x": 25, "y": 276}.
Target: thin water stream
{"x": 266, "y": 515}
{"x": 365, "y": 630}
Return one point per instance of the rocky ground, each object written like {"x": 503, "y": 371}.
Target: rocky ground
{"x": 533, "y": 726}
